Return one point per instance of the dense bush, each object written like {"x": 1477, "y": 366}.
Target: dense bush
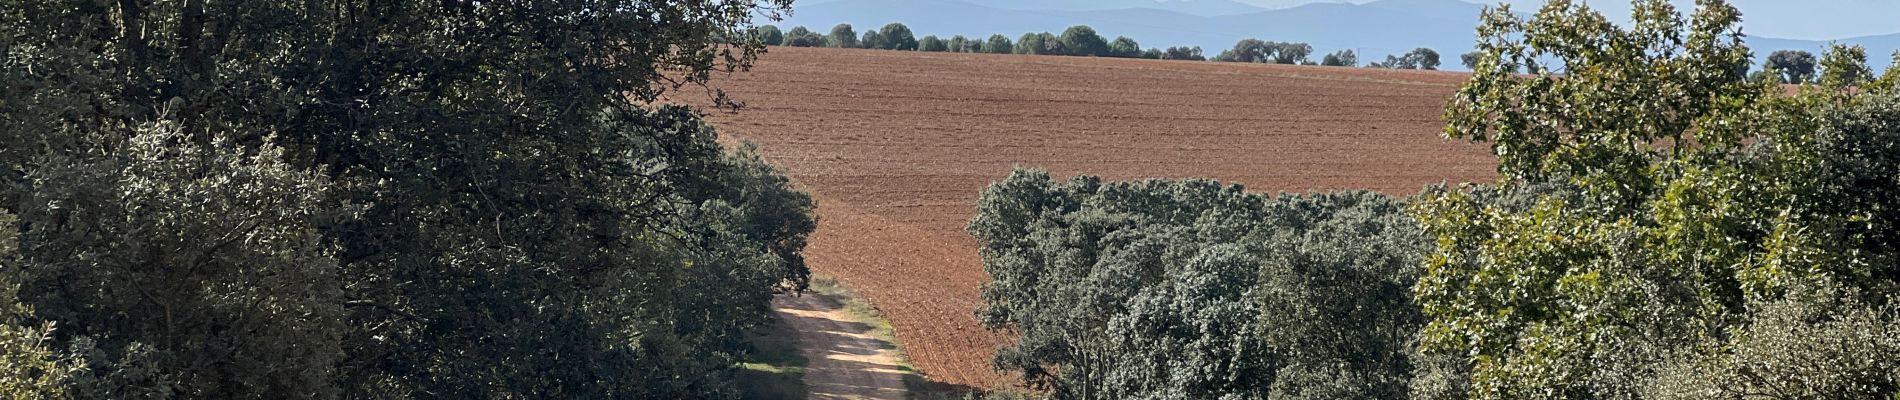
{"x": 330, "y": 199}
{"x": 1124, "y": 47}
{"x": 801, "y": 37}
{"x": 1724, "y": 239}
{"x": 896, "y": 36}
{"x": 1419, "y": 58}
{"x": 770, "y": 35}
{"x": 1342, "y": 58}
{"x": 842, "y": 36}
{"x": 998, "y": 44}
{"x": 1260, "y": 51}
{"x": 1190, "y": 289}
{"x": 873, "y": 39}
{"x": 1184, "y": 53}
{"x": 1081, "y": 40}
{"x": 932, "y": 43}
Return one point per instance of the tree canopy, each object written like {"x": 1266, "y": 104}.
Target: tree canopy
{"x": 361, "y": 199}
{"x": 1792, "y": 66}
{"x": 842, "y": 36}
{"x": 1703, "y": 218}
{"x": 1081, "y": 40}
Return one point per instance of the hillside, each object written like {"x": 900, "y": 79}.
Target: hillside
{"x": 896, "y": 146}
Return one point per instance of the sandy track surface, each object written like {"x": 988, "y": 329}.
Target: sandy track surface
{"x": 896, "y": 147}
{"x": 845, "y": 361}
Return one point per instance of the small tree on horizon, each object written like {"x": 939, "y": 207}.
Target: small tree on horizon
{"x": 1124, "y": 47}
{"x": 770, "y": 35}
{"x": 998, "y": 44}
{"x": 931, "y": 43}
{"x": 1081, "y": 40}
{"x": 842, "y": 36}
{"x": 896, "y": 36}
{"x": 1342, "y": 58}
{"x": 1791, "y": 66}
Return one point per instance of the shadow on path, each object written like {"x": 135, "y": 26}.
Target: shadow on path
{"x": 845, "y": 359}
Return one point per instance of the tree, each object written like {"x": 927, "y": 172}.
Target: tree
{"x": 1248, "y": 51}
{"x": 1124, "y": 47}
{"x": 958, "y": 43}
{"x": 1291, "y": 53}
{"x": 897, "y": 37}
{"x": 842, "y": 36}
{"x": 1470, "y": 59}
{"x": 872, "y": 39}
{"x": 931, "y": 43}
{"x": 1342, "y": 58}
{"x": 1239, "y": 295}
{"x": 1792, "y": 66}
{"x": 1844, "y": 66}
{"x": 1184, "y": 53}
{"x": 310, "y": 198}
{"x": 1042, "y": 44}
{"x": 1081, "y": 40}
{"x": 1153, "y": 54}
{"x": 770, "y": 35}
{"x": 998, "y": 44}
{"x": 34, "y": 369}
{"x": 1662, "y": 246}
{"x": 801, "y": 37}
{"x": 1421, "y": 58}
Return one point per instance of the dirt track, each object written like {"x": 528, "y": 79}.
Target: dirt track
{"x": 896, "y": 146}
{"x": 845, "y": 361}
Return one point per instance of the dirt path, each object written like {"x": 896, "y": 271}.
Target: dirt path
{"x": 846, "y": 361}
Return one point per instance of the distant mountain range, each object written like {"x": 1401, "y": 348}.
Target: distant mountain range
{"x": 1375, "y": 29}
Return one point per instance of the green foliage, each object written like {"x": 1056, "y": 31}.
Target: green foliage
{"x": 1844, "y": 66}
{"x": 842, "y": 36}
{"x": 383, "y": 200}
{"x": 1191, "y": 289}
{"x": 1791, "y": 66}
{"x": 1184, "y": 53}
{"x": 1420, "y": 58}
{"x": 32, "y": 368}
{"x": 873, "y": 40}
{"x": 1042, "y": 44}
{"x": 1715, "y": 237}
{"x": 896, "y": 36}
{"x": 801, "y": 37}
{"x": 1342, "y": 58}
{"x": 1124, "y": 47}
{"x": 998, "y": 44}
{"x": 1889, "y": 80}
{"x": 1815, "y": 344}
{"x": 1260, "y": 51}
{"x": 206, "y": 255}
{"x": 1081, "y": 40}
{"x": 769, "y": 35}
{"x": 932, "y": 43}
{"x": 1470, "y": 59}
{"x": 956, "y": 43}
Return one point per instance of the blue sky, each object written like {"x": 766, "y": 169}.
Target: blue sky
{"x": 1792, "y": 19}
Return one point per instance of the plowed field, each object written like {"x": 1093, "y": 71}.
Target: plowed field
{"x": 896, "y": 146}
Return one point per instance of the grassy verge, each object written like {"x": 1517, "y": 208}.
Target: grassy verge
{"x": 776, "y": 369}
{"x": 861, "y": 310}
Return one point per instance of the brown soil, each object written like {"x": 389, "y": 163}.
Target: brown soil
{"x": 896, "y": 146}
